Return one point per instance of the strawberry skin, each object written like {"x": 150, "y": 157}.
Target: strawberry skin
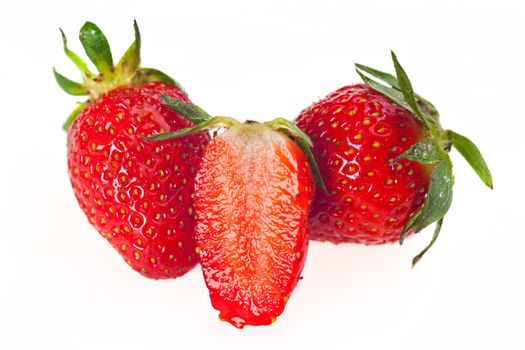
{"x": 357, "y": 133}
{"x": 252, "y": 196}
{"x": 137, "y": 193}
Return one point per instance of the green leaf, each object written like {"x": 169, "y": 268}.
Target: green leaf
{"x": 70, "y": 86}
{"x": 393, "y": 94}
{"x": 130, "y": 61}
{"x": 472, "y": 155}
{"x": 214, "y": 123}
{"x": 423, "y": 152}
{"x": 97, "y": 47}
{"x": 386, "y": 77}
{"x": 79, "y": 62}
{"x": 303, "y": 141}
{"x": 78, "y": 109}
{"x": 407, "y": 90}
{"x": 438, "y": 200}
{"x": 434, "y": 238}
{"x": 189, "y": 111}
{"x": 151, "y": 74}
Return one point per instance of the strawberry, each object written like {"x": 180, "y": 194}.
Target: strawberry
{"x": 384, "y": 158}
{"x": 253, "y": 191}
{"x": 136, "y": 193}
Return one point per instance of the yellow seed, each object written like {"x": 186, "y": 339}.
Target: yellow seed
{"x": 376, "y": 144}
{"x": 137, "y": 256}
{"x": 197, "y": 250}
{"x": 392, "y": 199}
{"x": 370, "y": 173}
{"x": 366, "y": 122}
{"x": 367, "y": 158}
{"x": 399, "y": 166}
{"x": 410, "y": 172}
{"x": 358, "y": 137}
{"x": 124, "y": 247}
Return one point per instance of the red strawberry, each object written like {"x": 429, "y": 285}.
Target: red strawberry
{"x": 384, "y": 159}
{"x": 136, "y": 193}
{"x": 252, "y": 196}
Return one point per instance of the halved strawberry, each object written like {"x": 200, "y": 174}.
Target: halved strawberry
{"x": 253, "y": 191}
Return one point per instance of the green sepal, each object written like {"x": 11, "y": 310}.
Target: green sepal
{"x": 438, "y": 200}
{"x": 423, "y": 152}
{"x": 393, "y": 94}
{"x": 189, "y": 111}
{"x": 130, "y": 61}
{"x": 304, "y": 143}
{"x": 69, "y": 86}
{"x": 97, "y": 47}
{"x": 408, "y": 92}
{"x": 424, "y": 105}
{"x": 150, "y": 74}
{"x": 213, "y": 123}
{"x": 386, "y": 77}
{"x": 472, "y": 155}
{"x": 73, "y": 115}
{"x": 437, "y": 230}
{"x": 79, "y": 62}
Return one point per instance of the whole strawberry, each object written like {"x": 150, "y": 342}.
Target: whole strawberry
{"x": 253, "y": 191}
{"x": 136, "y": 193}
{"x": 383, "y": 156}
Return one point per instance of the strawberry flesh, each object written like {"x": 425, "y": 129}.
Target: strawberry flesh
{"x": 252, "y": 195}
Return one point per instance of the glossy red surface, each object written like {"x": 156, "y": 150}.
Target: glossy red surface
{"x": 252, "y": 196}
{"x": 137, "y": 193}
{"x": 357, "y": 132}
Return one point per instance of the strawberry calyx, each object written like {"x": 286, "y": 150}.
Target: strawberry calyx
{"x": 205, "y": 122}
{"x": 432, "y": 150}
{"x": 127, "y": 72}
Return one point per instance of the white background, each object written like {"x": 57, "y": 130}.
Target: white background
{"x": 63, "y": 287}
